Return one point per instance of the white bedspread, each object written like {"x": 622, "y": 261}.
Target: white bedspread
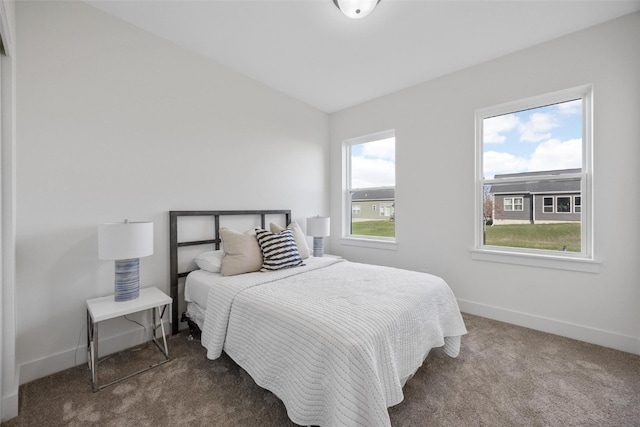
{"x": 335, "y": 341}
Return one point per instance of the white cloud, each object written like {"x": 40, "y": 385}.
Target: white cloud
{"x": 495, "y": 162}
{"x": 494, "y": 126}
{"x": 367, "y": 172}
{"x": 537, "y": 127}
{"x": 381, "y": 149}
{"x": 570, "y": 108}
{"x": 549, "y": 155}
{"x": 555, "y": 154}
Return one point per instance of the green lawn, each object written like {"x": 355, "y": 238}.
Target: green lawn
{"x": 554, "y": 237}
{"x": 374, "y": 228}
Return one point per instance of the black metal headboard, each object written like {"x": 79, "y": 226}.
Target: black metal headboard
{"x": 175, "y": 275}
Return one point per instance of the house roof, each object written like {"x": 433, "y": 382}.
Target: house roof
{"x": 529, "y": 186}
{"x": 375, "y": 194}
{"x": 539, "y": 173}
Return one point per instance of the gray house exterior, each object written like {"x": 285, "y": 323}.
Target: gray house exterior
{"x": 373, "y": 204}
{"x": 533, "y": 201}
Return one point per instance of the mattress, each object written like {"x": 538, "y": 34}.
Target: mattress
{"x": 197, "y": 285}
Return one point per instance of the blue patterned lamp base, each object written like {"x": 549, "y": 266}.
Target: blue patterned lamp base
{"x": 127, "y": 279}
{"x": 318, "y": 246}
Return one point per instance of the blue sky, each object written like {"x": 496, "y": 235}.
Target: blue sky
{"x": 544, "y": 138}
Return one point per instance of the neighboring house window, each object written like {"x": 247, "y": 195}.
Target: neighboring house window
{"x": 386, "y": 210}
{"x": 536, "y": 146}
{"x": 577, "y": 204}
{"x": 563, "y": 204}
{"x": 513, "y": 204}
{"x": 370, "y": 176}
{"x": 355, "y": 209}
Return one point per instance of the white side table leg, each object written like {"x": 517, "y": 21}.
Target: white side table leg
{"x": 92, "y": 351}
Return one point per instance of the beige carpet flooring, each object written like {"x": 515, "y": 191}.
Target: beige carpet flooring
{"x": 505, "y": 376}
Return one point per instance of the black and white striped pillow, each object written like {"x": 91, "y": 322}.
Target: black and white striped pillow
{"x": 279, "y": 250}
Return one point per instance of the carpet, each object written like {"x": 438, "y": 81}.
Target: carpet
{"x": 505, "y": 375}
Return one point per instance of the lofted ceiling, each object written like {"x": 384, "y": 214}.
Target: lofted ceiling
{"x": 309, "y": 50}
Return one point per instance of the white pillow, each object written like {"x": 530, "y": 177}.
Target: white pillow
{"x": 210, "y": 261}
{"x": 298, "y": 235}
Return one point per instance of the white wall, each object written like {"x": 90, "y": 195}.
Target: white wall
{"x": 434, "y": 125}
{"x": 9, "y": 374}
{"x": 115, "y": 123}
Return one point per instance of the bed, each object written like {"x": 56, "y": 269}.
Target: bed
{"x": 336, "y": 341}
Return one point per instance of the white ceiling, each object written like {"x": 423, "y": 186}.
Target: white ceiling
{"x": 310, "y": 51}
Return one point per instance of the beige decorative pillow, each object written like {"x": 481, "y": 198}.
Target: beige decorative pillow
{"x": 242, "y": 252}
{"x": 298, "y": 235}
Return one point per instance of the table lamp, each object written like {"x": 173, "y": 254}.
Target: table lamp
{"x": 125, "y": 242}
{"x": 318, "y": 227}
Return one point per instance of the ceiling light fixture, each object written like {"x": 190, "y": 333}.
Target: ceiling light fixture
{"x": 356, "y": 9}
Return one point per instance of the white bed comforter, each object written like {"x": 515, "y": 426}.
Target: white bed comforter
{"x": 335, "y": 341}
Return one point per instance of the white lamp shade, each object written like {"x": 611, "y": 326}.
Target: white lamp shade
{"x": 318, "y": 226}
{"x": 356, "y": 9}
{"x": 125, "y": 240}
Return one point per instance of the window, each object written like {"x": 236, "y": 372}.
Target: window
{"x": 513, "y": 204}
{"x": 535, "y": 147}
{"x": 563, "y": 204}
{"x": 577, "y": 204}
{"x": 370, "y": 182}
{"x": 386, "y": 210}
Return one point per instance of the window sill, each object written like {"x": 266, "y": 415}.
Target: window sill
{"x": 537, "y": 260}
{"x": 390, "y": 245}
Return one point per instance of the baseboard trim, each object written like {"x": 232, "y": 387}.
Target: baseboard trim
{"x": 601, "y": 337}
{"x": 39, "y": 368}
{"x": 33, "y": 370}
{"x": 10, "y": 405}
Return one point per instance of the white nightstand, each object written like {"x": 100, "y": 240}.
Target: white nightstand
{"x": 105, "y": 308}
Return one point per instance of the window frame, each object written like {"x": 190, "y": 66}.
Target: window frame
{"x": 513, "y": 204}
{"x": 579, "y": 261}
{"x": 376, "y": 242}
{"x": 558, "y": 204}
{"x": 382, "y": 210}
